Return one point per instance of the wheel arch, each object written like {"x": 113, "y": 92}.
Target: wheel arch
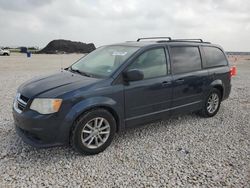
{"x": 220, "y": 88}
{"x": 101, "y": 106}
{"x": 217, "y": 84}
{"x": 89, "y": 104}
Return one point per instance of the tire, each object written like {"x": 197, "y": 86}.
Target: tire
{"x": 89, "y": 129}
{"x": 205, "y": 111}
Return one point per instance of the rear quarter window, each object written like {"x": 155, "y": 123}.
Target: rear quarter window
{"x": 214, "y": 57}
{"x": 185, "y": 59}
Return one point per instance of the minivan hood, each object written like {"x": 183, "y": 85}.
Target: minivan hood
{"x": 64, "y": 81}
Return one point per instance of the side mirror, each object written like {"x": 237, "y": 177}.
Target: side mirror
{"x": 133, "y": 75}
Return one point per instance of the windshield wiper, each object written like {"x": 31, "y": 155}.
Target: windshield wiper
{"x": 80, "y": 72}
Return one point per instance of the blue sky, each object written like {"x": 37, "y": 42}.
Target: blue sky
{"x": 35, "y": 23}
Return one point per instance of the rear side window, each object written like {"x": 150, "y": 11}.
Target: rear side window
{"x": 214, "y": 57}
{"x": 185, "y": 59}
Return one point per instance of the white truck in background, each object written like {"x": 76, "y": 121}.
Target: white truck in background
{"x": 4, "y": 52}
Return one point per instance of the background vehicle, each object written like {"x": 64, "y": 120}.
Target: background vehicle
{"x": 119, "y": 86}
{"x": 4, "y": 52}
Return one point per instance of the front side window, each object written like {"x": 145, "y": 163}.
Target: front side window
{"x": 152, "y": 63}
{"x": 103, "y": 61}
{"x": 214, "y": 57}
{"x": 185, "y": 59}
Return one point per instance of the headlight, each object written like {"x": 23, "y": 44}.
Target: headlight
{"x": 46, "y": 106}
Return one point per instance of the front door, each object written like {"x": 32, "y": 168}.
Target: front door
{"x": 149, "y": 99}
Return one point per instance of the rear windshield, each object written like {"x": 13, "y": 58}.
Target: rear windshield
{"x": 103, "y": 61}
{"x": 214, "y": 57}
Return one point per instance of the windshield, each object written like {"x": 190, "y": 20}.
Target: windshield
{"x": 103, "y": 61}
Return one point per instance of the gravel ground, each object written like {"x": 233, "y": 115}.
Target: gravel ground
{"x": 183, "y": 151}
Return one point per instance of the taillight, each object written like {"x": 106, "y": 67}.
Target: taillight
{"x": 233, "y": 71}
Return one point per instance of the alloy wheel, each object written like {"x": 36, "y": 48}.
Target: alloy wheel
{"x": 95, "y": 133}
{"x": 212, "y": 103}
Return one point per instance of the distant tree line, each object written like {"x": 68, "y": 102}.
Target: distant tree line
{"x": 238, "y": 53}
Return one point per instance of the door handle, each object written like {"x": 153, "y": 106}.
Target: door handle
{"x": 166, "y": 83}
{"x": 179, "y": 80}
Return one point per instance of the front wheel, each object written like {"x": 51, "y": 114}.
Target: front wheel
{"x": 93, "y": 132}
{"x": 212, "y": 104}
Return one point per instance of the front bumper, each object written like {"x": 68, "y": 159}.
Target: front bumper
{"x": 39, "y": 130}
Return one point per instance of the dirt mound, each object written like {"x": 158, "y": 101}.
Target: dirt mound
{"x": 67, "y": 46}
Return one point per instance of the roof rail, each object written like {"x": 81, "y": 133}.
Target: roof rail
{"x": 169, "y": 38}
{"x": 173, "y": 40}
{"x": 196, "y": 40}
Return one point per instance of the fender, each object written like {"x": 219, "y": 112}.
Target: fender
{"x": 217, "y": 83}
{"x": 85, "y": 105}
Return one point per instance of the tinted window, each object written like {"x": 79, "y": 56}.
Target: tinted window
{"x": 214, "y": 57}
{"x": 185, "y": 59}
{"x": 152, "y": 63}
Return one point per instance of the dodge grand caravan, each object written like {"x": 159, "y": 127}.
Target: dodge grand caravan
{"x": 119, "y": 86}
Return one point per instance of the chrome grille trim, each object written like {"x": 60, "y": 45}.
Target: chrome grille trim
{"x": 19, "y": 104}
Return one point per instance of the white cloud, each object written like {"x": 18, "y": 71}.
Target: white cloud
{"x": 35, "y": 23}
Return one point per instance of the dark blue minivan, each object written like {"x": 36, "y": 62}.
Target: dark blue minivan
{"x": 119, "y": 86}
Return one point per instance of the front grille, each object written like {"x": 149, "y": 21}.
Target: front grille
{"x": 20, "y": 102}
{"x": 25, "y": 99}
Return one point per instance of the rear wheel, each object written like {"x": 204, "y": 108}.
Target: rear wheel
{"x": 212, "y": 104}
{"x": 93, "y": 132}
